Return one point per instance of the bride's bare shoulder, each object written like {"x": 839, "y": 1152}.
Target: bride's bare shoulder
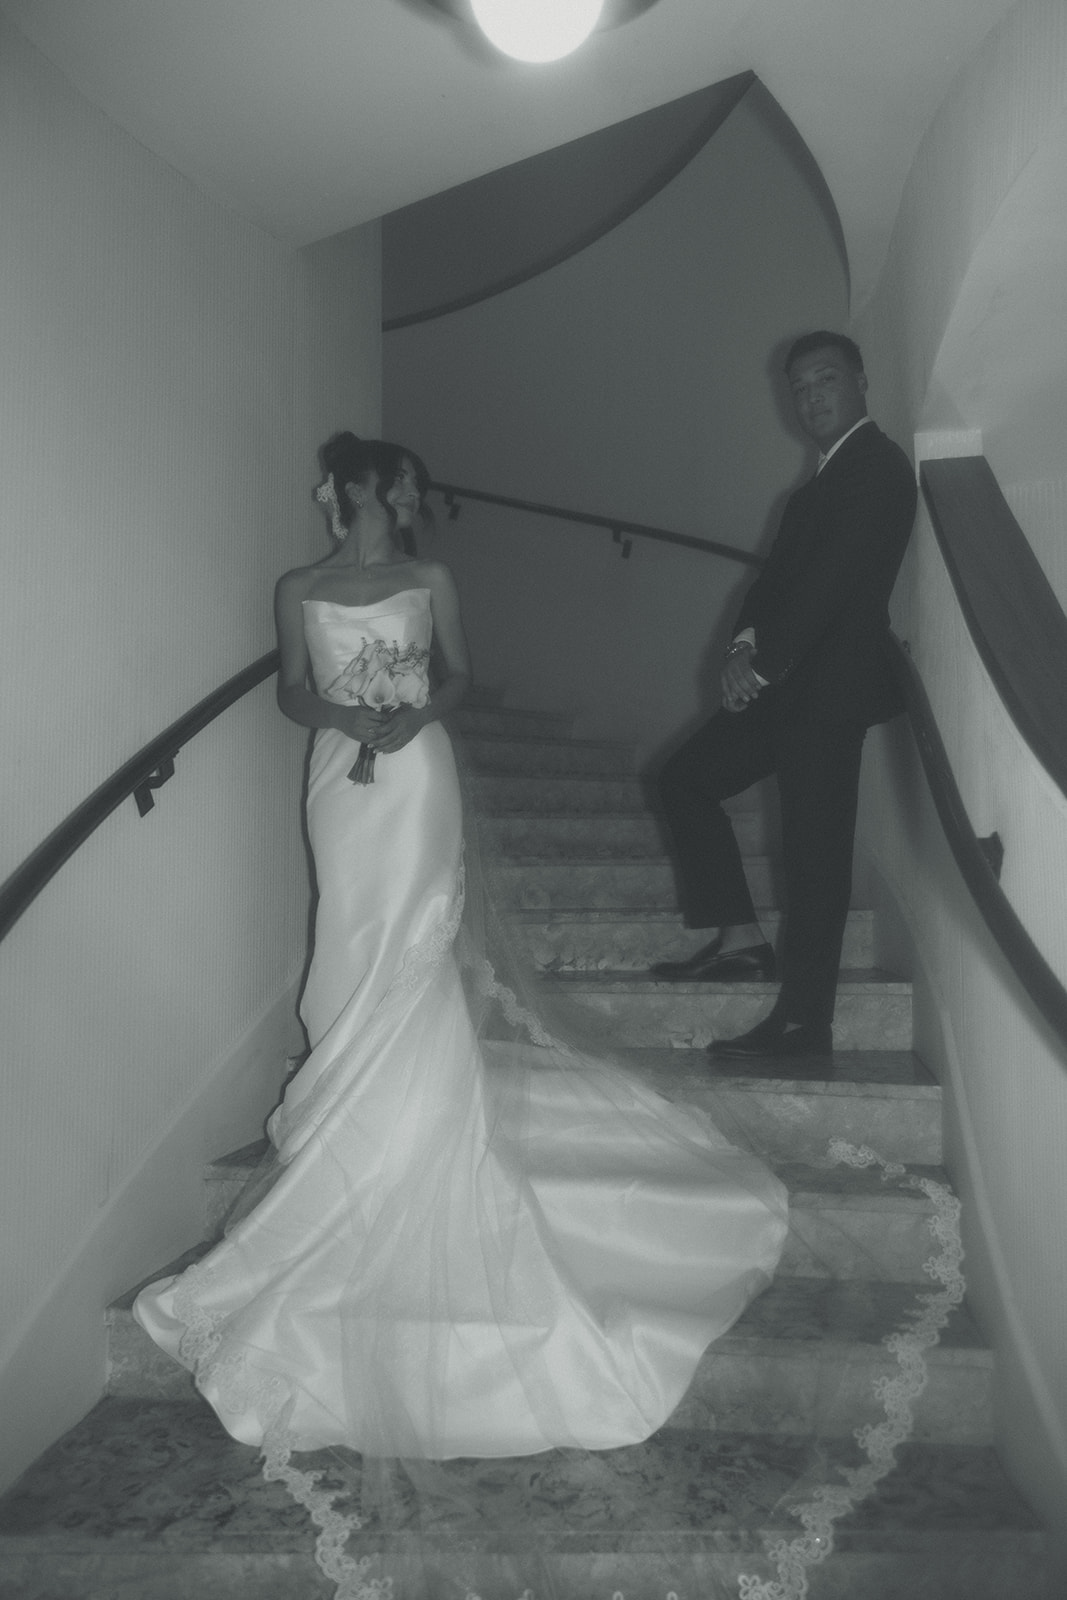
{"x": 432, "y": 575}
{"x": 296, "y": 583}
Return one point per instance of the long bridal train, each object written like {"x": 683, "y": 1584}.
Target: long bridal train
{"x": 465, "y": 1248}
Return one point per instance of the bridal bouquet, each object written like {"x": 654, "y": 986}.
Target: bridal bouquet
{"x": 383, "y": 677}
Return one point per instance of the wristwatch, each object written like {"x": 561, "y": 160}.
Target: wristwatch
{"x": 737, "y": 645}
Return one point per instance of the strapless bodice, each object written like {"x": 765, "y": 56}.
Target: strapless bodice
{"x": 373, "y": 655}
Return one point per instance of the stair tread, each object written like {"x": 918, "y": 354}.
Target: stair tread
{"x": 840, "y": 1314}
{"x": 809, "y": 1182}
{"x": 166, "y": 1475}
{"x": 855, "y": 980}
{"x": 473, "y": 711}
{"x": 572, "y": 813}
{"x": 583, "y": 784}
{"x": 681, "y": 1073}
{"x": 631, "y": 786}
{"x": 601, "y": 819}
{"x": 606, "y": 915}
{"x": 657, "y": 858}
{"x": 792, "y": 1315}
{"x": 529, "y": 738}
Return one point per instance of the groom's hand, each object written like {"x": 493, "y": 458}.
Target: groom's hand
{"x": 739, "y": 683}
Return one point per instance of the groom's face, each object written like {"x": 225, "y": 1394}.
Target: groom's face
{"x": 829, "y": 395}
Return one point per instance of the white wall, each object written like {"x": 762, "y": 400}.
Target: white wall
{"x": 637, "y": 379}
{"x": 168, "y": 372}
{"x": 963, "y": 332}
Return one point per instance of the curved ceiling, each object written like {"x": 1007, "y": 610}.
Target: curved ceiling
{"x": 311, "y": 116}
{"x": 461, "y": 246}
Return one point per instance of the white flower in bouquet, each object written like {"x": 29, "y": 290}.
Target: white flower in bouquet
{"x": 382, "y": 677}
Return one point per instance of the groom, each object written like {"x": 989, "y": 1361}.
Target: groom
{"x": 807, "y": 672}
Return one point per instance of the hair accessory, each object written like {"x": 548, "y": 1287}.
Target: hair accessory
{"x": 326, "y": 495}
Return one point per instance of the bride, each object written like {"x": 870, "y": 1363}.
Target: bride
{"x": 466, "y": 1246}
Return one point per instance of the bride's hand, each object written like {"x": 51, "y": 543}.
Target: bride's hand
{"x": 364, "y": 723}
{"x": 398, "y": 728}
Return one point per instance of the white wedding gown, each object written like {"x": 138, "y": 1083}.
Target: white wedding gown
{"x": 467, "y": 1248}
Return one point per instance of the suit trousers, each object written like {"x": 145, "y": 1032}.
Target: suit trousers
{"x": 817, "y": 766}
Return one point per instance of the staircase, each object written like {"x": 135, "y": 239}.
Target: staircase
{"x": 148, "y": 1498}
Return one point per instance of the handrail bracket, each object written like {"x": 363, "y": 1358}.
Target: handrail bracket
{"x": 992, "y": 847}
{"x": 155, "y": 780}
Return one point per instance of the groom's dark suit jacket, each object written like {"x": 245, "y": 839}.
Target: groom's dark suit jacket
{"x": 820, "y": 605}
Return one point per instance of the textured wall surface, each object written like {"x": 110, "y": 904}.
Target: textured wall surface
{"x": 168, "y": 371}
{"x": 978, "y": 211}
{"x": 639, "y": 378}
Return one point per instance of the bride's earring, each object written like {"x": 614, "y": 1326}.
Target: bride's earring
{"x": 326, "y": 495}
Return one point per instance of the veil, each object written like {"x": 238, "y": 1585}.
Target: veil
{"x": 744, "y": 1490}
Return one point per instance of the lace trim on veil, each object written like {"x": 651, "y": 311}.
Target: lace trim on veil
{"x": 830, "y": 1501}
{"x": 202, "y": 1348}
{"x": 203, "y": 1345}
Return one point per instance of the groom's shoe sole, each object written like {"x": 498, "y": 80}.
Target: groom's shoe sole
{"x": 754, "y": 961}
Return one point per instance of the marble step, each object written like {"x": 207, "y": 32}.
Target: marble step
{"x": 843, "y": 1221}
{"x": 577, "y": 795}
{"x": 884, "y": 1099}
{"x": 514, "y": 722}
{"x": 533, "y": 884}
{"x": 873, "y": 1009}
{"x": 498, "y": 752}
{"x": 804, "y": 1355}
{"x": 584, "y": 836}
{"x": 146, "y": 1501}
{"x": 859, "y": 1224}
{"x": 807, "y": 1354}
{"x": 629, "y": 940}
{"x": 502, "y": 793}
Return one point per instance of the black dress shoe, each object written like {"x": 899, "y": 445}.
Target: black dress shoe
{"x": 777, "y": 1038}
{"x": 713, "y": 964}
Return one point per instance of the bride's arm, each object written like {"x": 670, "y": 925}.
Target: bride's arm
{"x": 451, "y": 642}
{"x": 298, "y": 702}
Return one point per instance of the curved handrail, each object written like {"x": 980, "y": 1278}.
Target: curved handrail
{"x": 617, "y": 526}
{"x": 145, "y": 771}
{"x": 1010, "y": 608}
{"x": 971, "y": 856}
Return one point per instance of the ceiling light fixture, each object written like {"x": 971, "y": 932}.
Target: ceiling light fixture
{"x": 537, "y": 30}
{"x": 541, "y": 30}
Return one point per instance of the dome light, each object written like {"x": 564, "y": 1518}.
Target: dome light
{"x": 537, "y": 30}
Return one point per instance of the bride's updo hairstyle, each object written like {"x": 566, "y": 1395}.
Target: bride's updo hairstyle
{"x": 352, "y": 460}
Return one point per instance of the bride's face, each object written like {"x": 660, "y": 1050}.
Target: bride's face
{"x": 404, "y": 495}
